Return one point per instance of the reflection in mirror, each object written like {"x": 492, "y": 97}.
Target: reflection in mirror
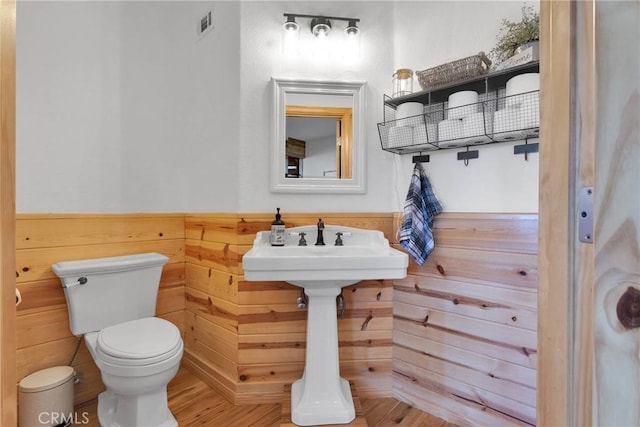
{"x": 317, "y": 141}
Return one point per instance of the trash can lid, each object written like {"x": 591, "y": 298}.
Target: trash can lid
{"x": 46, "y": 379}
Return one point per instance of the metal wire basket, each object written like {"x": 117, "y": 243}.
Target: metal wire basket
{"x": 454, "y": 71}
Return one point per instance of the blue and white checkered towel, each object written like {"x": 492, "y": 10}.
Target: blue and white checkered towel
{"x": 420, "y": 208}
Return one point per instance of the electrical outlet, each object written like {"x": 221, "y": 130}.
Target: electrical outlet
{"x": 205, "y": 24}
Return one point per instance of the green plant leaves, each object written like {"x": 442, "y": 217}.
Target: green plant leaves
{"x": 515, "y": 34}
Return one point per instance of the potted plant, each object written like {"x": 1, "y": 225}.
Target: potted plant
{"x": 515, "y": 35}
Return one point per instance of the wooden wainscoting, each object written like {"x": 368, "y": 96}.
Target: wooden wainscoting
{"x": 247, "y": 339}
{"x": 456, "y": 338}
{"x": 43, "y": 334}
{"x": 465, "y": 322}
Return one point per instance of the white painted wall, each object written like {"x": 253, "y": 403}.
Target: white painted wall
{"x": 120, "y": 108}
{"x": 320, "y": 159}
{"x": 180, "y": 109}
{"x": 68, "y": 117}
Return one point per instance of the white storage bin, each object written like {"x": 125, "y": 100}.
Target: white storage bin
{"x": 46, "y": 397}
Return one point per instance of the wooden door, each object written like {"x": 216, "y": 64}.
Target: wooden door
{"x": 589, "y": 361}
{"x": 8, "y": 399}
{"x": 617, "y": 214}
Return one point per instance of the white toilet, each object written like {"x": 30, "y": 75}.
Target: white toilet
{"x": 112, "y": 301}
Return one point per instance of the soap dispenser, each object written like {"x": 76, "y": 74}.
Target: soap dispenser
{"x": 277, "y": 230}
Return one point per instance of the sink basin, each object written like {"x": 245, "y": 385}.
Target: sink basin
{"x": 321, "y": 396}
{"x": 366, "y": 254}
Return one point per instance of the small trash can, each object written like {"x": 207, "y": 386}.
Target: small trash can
{"x": 46, "y": 398}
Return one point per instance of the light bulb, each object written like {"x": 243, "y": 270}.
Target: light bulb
{"x": 291, "y": 24}
{"x": 352, "y": 29}
{"x": 320, "y": 27}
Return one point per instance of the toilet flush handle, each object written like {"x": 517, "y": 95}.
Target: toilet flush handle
{"x": 80, "y": 281}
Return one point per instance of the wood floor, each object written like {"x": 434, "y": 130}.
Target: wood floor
{"x": 193, "y": 403}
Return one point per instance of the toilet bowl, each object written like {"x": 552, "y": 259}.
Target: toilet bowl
{"x": 137, "y": 359}
{"x": 111, "y": 301}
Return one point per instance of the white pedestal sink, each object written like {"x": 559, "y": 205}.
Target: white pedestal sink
{"x": 321, "y": 396}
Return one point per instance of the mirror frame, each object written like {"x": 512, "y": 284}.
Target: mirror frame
{"x": 279, "y": 183}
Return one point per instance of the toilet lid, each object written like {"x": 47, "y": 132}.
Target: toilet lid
{"x": 139, "y": 339}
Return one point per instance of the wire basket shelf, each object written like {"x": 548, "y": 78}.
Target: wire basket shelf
{"x": 494, "y": 119}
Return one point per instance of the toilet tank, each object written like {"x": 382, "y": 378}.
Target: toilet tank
{"x": 116, "y": 289}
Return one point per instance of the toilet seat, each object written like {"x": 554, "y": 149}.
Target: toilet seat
{"x": 141, "y": 342}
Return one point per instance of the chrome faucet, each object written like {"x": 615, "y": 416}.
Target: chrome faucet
{"x": 320, "y": 239}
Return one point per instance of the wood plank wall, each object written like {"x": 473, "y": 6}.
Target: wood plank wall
{"x": 464, "y": 338}
{"x": 247, "y": 339}
{"x": 456, "y": 338}
{"x": 43, "y": 334}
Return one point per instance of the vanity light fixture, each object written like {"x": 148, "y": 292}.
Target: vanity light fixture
{"x": 321, "y": 25}
{"x": 321, "y": 41}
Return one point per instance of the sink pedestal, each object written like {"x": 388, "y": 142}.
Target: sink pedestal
{"x": 321, "y": 396}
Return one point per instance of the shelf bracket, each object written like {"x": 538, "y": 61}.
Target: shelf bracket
{"x": 525, "y": 149}
{"x": 420, "y": 159}
{"x": 467, "y": 155}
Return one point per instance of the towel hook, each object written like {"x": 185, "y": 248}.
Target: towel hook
{"x": 525, "y": 149}
{"x": 421, "y": 158}
{"x": 467, "y": 155}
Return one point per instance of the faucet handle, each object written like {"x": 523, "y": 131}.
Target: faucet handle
{"x": 339, "y": 239}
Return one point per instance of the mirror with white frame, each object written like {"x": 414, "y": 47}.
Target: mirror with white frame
{"x": 318, "y": 137}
